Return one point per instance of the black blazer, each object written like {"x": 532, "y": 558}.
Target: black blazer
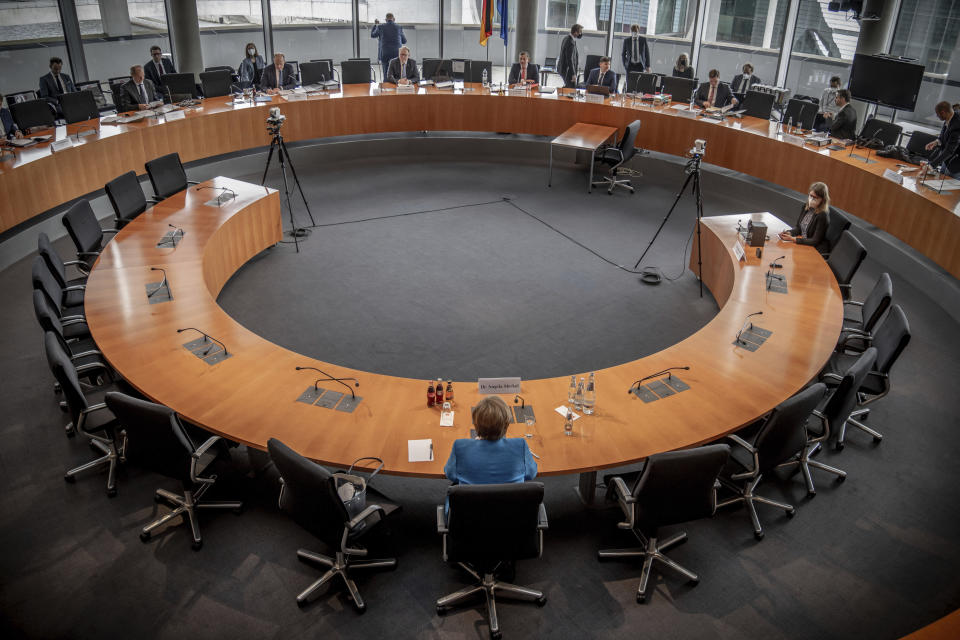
{"x": 948, "y": 150}
{"x": 627, "y": 52}
{"x": 533, "y": 73}
{"x": 268, "y": 80}
{"x": 844, "y": 125}
{"x": 723, "y": 97}
{"x": 609, "y": 79}
{"x": 568, "y": 62}
{"x": 395, "y": 73}
{"x": 49, "y": 90}
{"x": 738, "y": 79}
{"x": 686, "y": 73}
{"x": 150, "y": 71}
{"x": 130, "y": 97}
{"x": 816, "y": 230}
{"x": 9, "y": 126}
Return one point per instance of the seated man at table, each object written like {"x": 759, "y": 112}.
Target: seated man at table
{"x": 602, "y": 76}
{"x": 743, "y": 81}
{"x": 278, "y": 76}
{"x": 843, "y": 124}
{"x": 8, "y": 128}
{"x": 714, "y": 93}
{"x": 523, "y": 72}
{"x": 946, "y": 148}
{"x": 55, "y": 84}
{"x": 402, "y": 69}
{"x": 137, "y": 93}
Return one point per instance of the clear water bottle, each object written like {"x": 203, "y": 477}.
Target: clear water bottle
{"x": 789, "y": 125}
{"x": 590, "y": 395}
{"x": 568, "y": 425}
{"x": 485, "y": 79}
{"x": 572, "y": 389}
{"x": 578, "y": 399}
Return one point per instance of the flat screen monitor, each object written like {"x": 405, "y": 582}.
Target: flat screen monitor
{"x": 888, "y": 82}
{"x": 680, "y": 89}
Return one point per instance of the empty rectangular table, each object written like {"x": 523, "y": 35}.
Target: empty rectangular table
{"x": 583, "y": 137}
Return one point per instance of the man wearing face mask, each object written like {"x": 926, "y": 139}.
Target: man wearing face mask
{"x": 814, "y": 219}
{"x": 157, "y": 68}
{"x": 946, "y": 148}
{"x": 251, "y": 67}
{"x": 636, "y": 53}
{"x": 569, "y": 61}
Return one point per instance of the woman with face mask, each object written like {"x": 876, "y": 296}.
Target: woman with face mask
{"x": 251, "y": 65}
{"x": 814, "y": 219}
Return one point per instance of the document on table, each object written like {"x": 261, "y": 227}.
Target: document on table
{"x": 563, "y": 409}
{"x": 420, "y": 450}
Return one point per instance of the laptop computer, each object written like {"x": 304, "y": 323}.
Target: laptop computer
{"x": 598, "y": 89}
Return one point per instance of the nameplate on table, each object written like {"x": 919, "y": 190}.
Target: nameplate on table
{"x": 406, "y": 88}
{"x": 174, "y": 115}
{"x": 595, "y": 98}
{"x": 498, "y": 385}
{"x": 60, "y": 145}
{"x": 520, "y": 92}
{"x": 688, "y": 113}
{"x": 893, "y": 176}
{"x": 738, "y": 251}
{"x": 792, "y": 139}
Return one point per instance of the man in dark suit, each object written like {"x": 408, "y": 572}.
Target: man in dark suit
{"x": 743, "y": 81}
{"x": 158, "y": 67}
{"x": 55, "y": 84}
{"x": 636, "y": 53}
{"x": 8, "y": 128}
{"x": 402, "y": 69}
{"x": 568, "y": 63}
{"x": 946, "y": 148}
{"x": 390, "y": 38}
{"x": 278, "y": 76}
{"x": 714, "y": 93}
{"x": 603, "y": 76}
{"x": 138, "y": 92}
{"x": 523, "y": 72}
{"x": 843, "y": 124}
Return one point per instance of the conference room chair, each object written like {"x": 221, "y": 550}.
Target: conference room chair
{"x": 167, "y": 175}
{"x": 85, "y": 231}
{"x": 548, "y": 67}
{"x": 887, "y": 133}
{"x": 180, "y": 86}
{"x": 918, "y": 142}
{"x": 92, "y": 420}
{"x": 673, "y": 487}
{"x": 640, "y": 82}
{"x": 94, "y": 87}
{"x": 330, "y": 73}
{"x": 758, "y": 105}
{"x": 436, "y": 69}
{"x": 315, "y": 72}
{"x": 58, "y": 266}
{"x": 858, "y": 331}
{"x": 216, "y": 83}
{"x": 845, "y": 259}
{"x": 680, "y": 89}
{"x": 800, "y": 112}
{"x": 32, "y": 114}
{"x": 78, "y": 344}
{"x": 837, "y": 223}
{"x": 308, "y": 494}
{"x": 890, "y": 338}
{"x": 617, "y": 156}
{"x": 491, "y": 526}
{"x": 474, "y": 72}
{"x": 127, "y": 198}
{"x": 234, "y": 77}
{"x": 355, "y": 72}
{"x": 79, "y": 106}
{"x": 841, "y": 409}
{"x": 591, "y": 62}
{"x": 116, "y": 89}
{"x": 68, "y": 304}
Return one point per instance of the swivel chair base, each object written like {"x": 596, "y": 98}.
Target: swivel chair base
{"x": 338, "y": 567}
{"x": 877, "y": 436}
{"x": 489, "y": 586}
{"x": 611, "y": 182}
{"x": 805, "y": 463}
{"x": 109, "y": 458}
{"x": 187, "y": 504}
{"x": 747, "y": 496}
{"x": 652, "y": 552}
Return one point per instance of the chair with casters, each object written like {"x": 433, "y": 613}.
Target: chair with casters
{"x": 31, "y": 114}
{"x": 99, "y": 98}
{"x": 857, "y": 332}
{"x": 837, "y": 223}
{"x": 127, "y": 198}
{"x": 917, "y": 144}
{"x": 489, "y": 525}
{"x": 167, "y": 175}
{"x": 315, "y": 72}
{"x": 92, "y": 420}
{"x": 890, "y": 337}
{"x": 886, "y": 133}
{"x": 617, "y": 156}
{"x": 85, "y": 231}
{"x": 216, "y": 83}
{"x": 155, "y": 439}
{"x": 782, "y": 441}
{"x": 758, "y": 105}
{"x": 66, "y": 303}
{"x": 58, "y": 266}
{"x": 845, "y": 259}
{"x": 309, "y": 495}
{"x": 673, "y": 487}
{"x": 77, "y": 344}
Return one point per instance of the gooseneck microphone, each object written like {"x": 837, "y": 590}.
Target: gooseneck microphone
{"x": 803, "y": 105}
{"x": 775, "y": 264}
{"x": 163, "y": 283}
{"x": 221, "y": 189}
{"x": 206, "y": 336}
{"x": 744, "y": 326}
{"x": 518, "y": 398}
{"x": 329, "y": 378}
{"x": 176, "y": 230}
{"x": 654, "y": 375}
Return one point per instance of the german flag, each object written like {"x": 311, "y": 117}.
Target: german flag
{"x": 486, "y": 21}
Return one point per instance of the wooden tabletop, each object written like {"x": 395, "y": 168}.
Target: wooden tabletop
{"x": 585, "y": 136}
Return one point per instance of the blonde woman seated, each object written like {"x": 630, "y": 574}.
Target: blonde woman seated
{"x": 814, "y": 219}
{"x": 491, "y": 458}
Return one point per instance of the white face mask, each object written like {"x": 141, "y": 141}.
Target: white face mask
{"x": 812, "y": 202}
{"x": 251, "y": 52}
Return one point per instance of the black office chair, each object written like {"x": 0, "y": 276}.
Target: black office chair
{"x": 617, "y": 156}
{"x": 216, "y": 83}
{"x": 155, "y": 439}
{"x": 67, "y": 303}
{"x": 489, "y": 525}
{"x": 640, "y": 82}
{"x": 58, "y": 266}
{"x": 591, "y": 62}
{"x": 674, "y": 487}
{"x": 127, "y": 198}
{"x": 837, "y": 223}
{"x": 315, "y": 72}
{"x": 96, "y": 89}
{"x": 437, "y": 69}
{"x": 890, "y": 337}
{"x": 88, "y": 419}
{"x": 781, "y": 441}
{"x": 474, "y": 72}
{"x": 845, "y": 259}
{"x": 758, "y": 105}
{"x": 886, "y": 133}
{"x": 801, "y": 112}
{"x": 20, "y": 96}
{"x": 857, "y": 332}
{"x": 180, "y": 86}
{"x": 329, "y": 73}
{"x": 680, "y": 89}
{"x": 916, "y": 145}
{"x": 79, "y": 106}
{"x": 85, "y": 231}
{"x": 167, "y": 175}
{"x": 32, "y": 114}
{"x": 79, "y": 346}
{"x": 355, "y": 72}
{"x": 309, "y": 495}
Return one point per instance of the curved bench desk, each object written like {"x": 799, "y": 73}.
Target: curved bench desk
{"x": 251, "y": 396}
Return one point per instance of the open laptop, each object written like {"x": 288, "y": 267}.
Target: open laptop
{"x": 598, "y": 89}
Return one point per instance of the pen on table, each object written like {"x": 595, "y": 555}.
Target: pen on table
{"x": 534, "y": 455}
{"x": 431, "y": 451}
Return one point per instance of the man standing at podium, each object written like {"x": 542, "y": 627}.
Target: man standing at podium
{"x": 391, "y": 39}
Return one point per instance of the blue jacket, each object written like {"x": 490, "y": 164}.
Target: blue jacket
{"x": 391, "y": 39}
{"x": 609, "y": 79}
{"x": 490, "y": 461}
{"x": 9, "y": 127}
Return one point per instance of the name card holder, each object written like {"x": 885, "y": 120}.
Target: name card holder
{"x": 406, "y": 88}
{"x": 60, "y": 145}
{"x": 893, "y": 176}
{"x": 595, "y": 98}
{"x": 175, "y": 115}
{"x": 489, "y": 386}
{"x": 519, "y": 92}
{"x": 792, "y": 139}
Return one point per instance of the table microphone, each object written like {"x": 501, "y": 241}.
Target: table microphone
{"x": 356, "y": 383}
{"x": 744, "y": 325}
{"x": 206, "y": 336}
{"x": 519, "y": 398}
{"x": 163, "y": 283}
{"x": 654, "y": 375}
{"x": 775, "y": 264}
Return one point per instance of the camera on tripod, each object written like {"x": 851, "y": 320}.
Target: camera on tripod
{"x": 275, "y": 120}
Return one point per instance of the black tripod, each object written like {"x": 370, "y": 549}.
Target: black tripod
{"x": 284, "y": 156}
{"x": 693, "y": 173}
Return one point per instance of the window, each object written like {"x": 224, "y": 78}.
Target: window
{"x": 823, "y": 46}
{"x": 224, "y": 36}
{"x": 305, "y": 31}
{"x": 562, "y": 14}
{"x": 30, "y": 34}
{"x": 741, "y": 31}
{"x": 117, "y": 35}
{"x": 667, "y": 25}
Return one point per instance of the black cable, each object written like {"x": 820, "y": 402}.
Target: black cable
{"x": 401, "y": 215}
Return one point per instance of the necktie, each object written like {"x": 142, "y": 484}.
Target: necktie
{"x": 59, "y": 84}
{"x": 143, "y": 94}
{"x": 159, "y": 69}
{"x": 600, "y": 81}
{"x": 279, "y": 85}
{"x": 712, "y": 96}
{"x": 636, "y": 50}
{"x": 523, "y": 73}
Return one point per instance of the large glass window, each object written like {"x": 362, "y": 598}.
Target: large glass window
{"x": 225, "y": 30}
{"x": 418, "y": 19}
{"x": 30, "y": 34}
{"x": 118, "y": 34}
{"x": 563, "y": 14}
{"x": 306, "y": 31}
{"x": 740, "y": 31}
{"x": 667, "y": 26}
{"x": 823, "y": 46}
{"x": 461, "y": 30}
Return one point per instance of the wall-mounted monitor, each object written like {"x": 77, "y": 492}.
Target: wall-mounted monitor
{"x": 888, "y": 82}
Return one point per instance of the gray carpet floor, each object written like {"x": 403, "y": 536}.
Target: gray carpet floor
{"x": 874, "y": 557}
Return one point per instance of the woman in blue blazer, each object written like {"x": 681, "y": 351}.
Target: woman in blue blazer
{"x": 491, "y": 458}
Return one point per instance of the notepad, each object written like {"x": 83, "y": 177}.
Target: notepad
{"x": 420, "y": 450}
